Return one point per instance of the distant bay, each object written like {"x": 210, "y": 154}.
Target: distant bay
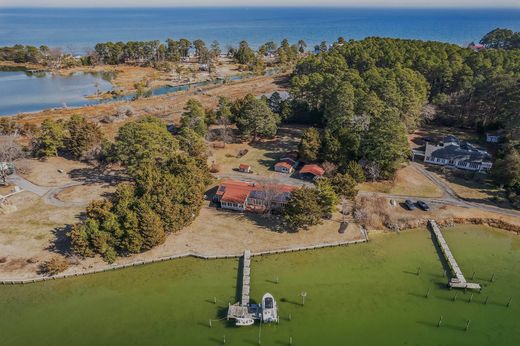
{"x": 79, "y": 29}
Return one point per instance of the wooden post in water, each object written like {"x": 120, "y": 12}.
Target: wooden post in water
{"x": 473, "y": 276}
{"x": 440, "y": 322}
{"x": 224, "y": 341}
{"x": 290, "y": 317}
{"x": 509, "y": 302}
{"x": 493, "y": 277}
{"x": 277, "y": 280}
{"x": 485, "y": 302}
{"x": 214, "y": 300}
{"x": 303, "y": 294}
{"x": 428, "y": 293}
{"x": 467, "y": 324}
{"x": 470, "y": 298}
{"x": 418, "y": 270}
{"x": 290, "y": 340}
{"x": 455, "y": 296}
{"x": 210, "y": 324}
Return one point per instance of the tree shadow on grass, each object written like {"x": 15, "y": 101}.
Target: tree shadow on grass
{"x": 61, "y": 243}
{"x": 96, "y": 175}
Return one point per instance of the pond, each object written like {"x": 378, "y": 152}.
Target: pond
{"x": 366, "y": 294}
{"x": 27, "y": 91}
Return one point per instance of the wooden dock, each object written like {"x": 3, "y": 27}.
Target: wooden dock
{"x": 242, "y": 309}
{"x": 246, "y": 278}
{"x": 458, "y": 281}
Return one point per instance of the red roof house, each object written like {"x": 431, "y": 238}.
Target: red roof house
{"x": 240, "y": 195}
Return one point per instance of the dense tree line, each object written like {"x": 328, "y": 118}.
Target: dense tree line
{"x": 24, "y": 54}
{"x": 43, "y": 55}
{"x": 501, "y": 38}
{"x": 365, "y": 95}
{"x": 164, "y": 193}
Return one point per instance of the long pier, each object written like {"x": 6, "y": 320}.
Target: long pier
{"x": 241, "y": 309}
{"x": 458, "y": 281}
{"x": 246, "y": 278}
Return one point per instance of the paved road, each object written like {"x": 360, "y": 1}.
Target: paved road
{"x": 449, "y": 196}
{"x": 47, "y": 193}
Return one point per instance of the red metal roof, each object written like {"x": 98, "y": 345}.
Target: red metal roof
{"x": 238, "y": 191}
{"x": 244, "y": 166}
{"x": 313, "y": 169}
{"x": 283, "y": 164}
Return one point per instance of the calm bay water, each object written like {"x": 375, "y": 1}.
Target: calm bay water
{"x": 78, "y": 29}
{"x": 367, "y": 294}
{"x": 22, "y": 91}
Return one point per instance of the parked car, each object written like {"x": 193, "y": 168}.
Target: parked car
{"x": 423, "y": 205}
{"x": 409, "y": 204}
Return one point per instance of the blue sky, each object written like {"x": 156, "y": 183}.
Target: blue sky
{"x": 191, "y": 3}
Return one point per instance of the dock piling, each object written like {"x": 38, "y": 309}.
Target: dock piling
{"x": 467, "y": 324}
{"x": 455, "y": 296}
{"x": 440, "y": 322}
{"x": 428, "y": 293}
{"x": 509, "y": 302}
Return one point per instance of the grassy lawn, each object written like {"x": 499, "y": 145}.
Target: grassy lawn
{"x": 469, "y": 187}
{"x": 408, "y": 182}
{"x": 261, "y": 155}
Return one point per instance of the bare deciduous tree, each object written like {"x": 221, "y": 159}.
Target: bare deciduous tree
{"x": 224, "y": 129}
{"x": 373, "y": 170}
{"x": 10, "y": 150}
{"x": 270, "y": 191}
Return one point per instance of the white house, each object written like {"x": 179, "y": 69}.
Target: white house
{"x": 454, "y": 153}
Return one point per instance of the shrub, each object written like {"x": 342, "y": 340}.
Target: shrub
{"x": 54, "y": 265}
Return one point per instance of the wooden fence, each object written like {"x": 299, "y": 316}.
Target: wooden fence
{"x": 168, "y": 258}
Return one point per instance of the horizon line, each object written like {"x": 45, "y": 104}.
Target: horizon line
{"x": 396, "y": 6}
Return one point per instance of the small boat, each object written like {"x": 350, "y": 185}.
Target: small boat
{"x": 244, "y": 321}
{"x": 269, "y": 309}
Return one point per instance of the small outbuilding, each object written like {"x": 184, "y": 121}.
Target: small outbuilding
{"x": 244, "y": 168}
{"x": 311, "y": 171}
{"x": 284, "y": 167}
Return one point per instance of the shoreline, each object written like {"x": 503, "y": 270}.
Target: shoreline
{"x": 174, "y": 257}
{"x": 492, "y": 224}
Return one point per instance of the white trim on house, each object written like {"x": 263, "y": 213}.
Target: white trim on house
{"x": 463, "y": 158}
{"x": 233, "y": 206}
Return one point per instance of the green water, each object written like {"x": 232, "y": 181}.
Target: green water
{"x": 368, "y": 294}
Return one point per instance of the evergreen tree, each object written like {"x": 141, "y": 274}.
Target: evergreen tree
{"x": 310, "y": 145}
{"x": 255, "y": 118}
{"x": 49, "y": 139}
